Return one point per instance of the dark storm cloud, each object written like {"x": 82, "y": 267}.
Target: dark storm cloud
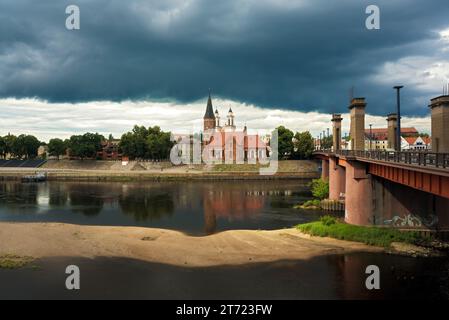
{"x": 302, "y": 55}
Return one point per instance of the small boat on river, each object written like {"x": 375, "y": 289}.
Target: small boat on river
{"x": 38, "y": 177}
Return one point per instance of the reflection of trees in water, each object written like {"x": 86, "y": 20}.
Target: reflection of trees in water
{"x": 146, "y": 206}
{"x": 58, "y": 195}
{"x": 87, "y": 199}
{"x": 16, "y": 193}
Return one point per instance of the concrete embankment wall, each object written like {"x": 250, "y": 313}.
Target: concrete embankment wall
{"x": 87, "y": 176}
{"x": 60, "y": 171}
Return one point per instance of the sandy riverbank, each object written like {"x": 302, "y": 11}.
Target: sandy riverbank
{"x": 44, "y": 240}
{"x": 142, "y": 263}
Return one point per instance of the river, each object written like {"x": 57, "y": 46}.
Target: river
{"x": 196, "y": 208}
{"x": 201, "y": 208}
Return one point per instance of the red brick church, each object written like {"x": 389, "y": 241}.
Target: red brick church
{"x": 224, "y": 142}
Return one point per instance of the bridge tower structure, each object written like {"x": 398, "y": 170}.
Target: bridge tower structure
{"x": 392, "y": 125}
{"x": 439, "y": 107}
{"x": 357, "y": 129}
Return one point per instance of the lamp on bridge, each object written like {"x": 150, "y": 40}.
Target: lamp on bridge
{"x": 398, "y": 113}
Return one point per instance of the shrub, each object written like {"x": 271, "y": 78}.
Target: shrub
{"x": 328, "y": 220}
{"x": 320, "y": 188}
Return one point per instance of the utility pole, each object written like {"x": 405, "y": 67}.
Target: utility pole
{"x": 398, "y": 106}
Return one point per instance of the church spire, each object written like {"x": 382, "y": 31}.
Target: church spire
{"x": 209, "y": 109}
{"x": 209, "y": 117}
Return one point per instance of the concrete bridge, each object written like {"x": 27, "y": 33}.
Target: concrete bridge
{"x": 390, "y": 188}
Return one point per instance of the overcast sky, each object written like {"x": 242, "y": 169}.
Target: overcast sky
{"x": 274, "y": 61}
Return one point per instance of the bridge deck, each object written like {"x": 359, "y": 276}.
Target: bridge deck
{"x": 420, "y": 161}
{"x": 424, "y": 171}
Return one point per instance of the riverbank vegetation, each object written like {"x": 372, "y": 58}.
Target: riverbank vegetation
{"x": 20, "y": 147}
{"x": 150, "y": 143}
{"x": 11, "y": 261}
{"x": 320, "y": 191}
{"x": 329, "y": 226}
{"x": 320, "y": 188}
{"x": 294, "y": 146}
{"x": 143, "y": 143}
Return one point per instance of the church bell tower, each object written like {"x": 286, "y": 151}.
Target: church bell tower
{"x": 209, "y": 117}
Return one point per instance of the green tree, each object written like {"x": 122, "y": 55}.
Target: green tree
{"x": 142, "y": 143}
{"x": 320, "y": 188}
{"x": 86, "y": 145}
{"x": 25, "y": 146}
{"x": 10, "y": 141}
{"x": 326, "y": 142}
{"x": 134, "y": 143}
{"x": 285, "y": 142}
{"x": 159, "y": 144}
{"x": 303, "y": 145}
{"x": 3, "y": 147}
{"x": 56, "y": 147}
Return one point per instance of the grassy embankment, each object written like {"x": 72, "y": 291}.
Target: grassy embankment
{"x": 284, "y": 166}
{"x": 330, "y": 227}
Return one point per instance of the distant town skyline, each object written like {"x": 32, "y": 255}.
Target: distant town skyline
{"x": 49, "y": 120}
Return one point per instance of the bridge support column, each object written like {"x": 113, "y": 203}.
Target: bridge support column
{"x": 324, "y": 169}
{"x": 337, "y": 179}
{"x": 359, "y": 194}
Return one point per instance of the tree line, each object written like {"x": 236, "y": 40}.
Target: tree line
{"x": 21, "y": 147}
{"x": 140, "y": 143}
{"x": 26, "y": 146}
{"x": 143, "y": 143}
{"x": 299, "y": 145}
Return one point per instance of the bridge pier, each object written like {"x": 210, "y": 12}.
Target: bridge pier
{"x": 359, "y": 194}
{"x": 324, "y": 169}
{"x": 337, "y": 179}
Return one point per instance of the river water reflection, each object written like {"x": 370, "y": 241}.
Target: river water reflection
{"x": 193, "y": 207}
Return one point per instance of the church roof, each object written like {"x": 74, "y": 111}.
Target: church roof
{"x": 209, "y": 109}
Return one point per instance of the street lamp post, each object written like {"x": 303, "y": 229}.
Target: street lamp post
{"x": 321, "y": 142}
{"x": 370, "y": 136}
{"x": 398, "y": 105}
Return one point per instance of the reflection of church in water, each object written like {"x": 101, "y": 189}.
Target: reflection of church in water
{"x": 228, "y": 204}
